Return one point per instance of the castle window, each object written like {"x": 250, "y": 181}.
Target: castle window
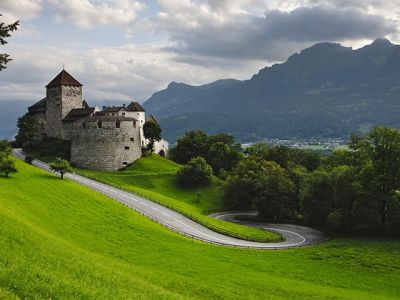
{"x": 41, "y": 124}
{"x": 117, "y": 124}
{"x": 83, "y": 124}
{"x": 112, "y": 114}
{"x": 126, "y": 147}
{"x": 132, "y": 139}
{"x": 123, "y": 114}
{"x": 99, "y": 124}
{"x": 134, "y": 124}
{"x": 125, "y": 163}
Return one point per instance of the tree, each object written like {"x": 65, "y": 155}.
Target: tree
{"x": 276, "y": 199}
{"x": 5, "y": 147}
{"x": 309, "y": 159}
{"x": 222, "y": 138}
{"x": 28, "y": 129}
{"x": 316, "y": 197}
{"x": 61, "y": 165}
{"x": 345, "y": 189}
{"x": 5, "y": 32}
{"x": 241, "y": 187}
{"x": 260, "y": 150}
{"x": 280, "y": 155}
{"x": 191, "y": 145}
{"x": 222, "y": 156}
{"x": 340, "y": 157}
{"x": 379, "y": 155}
{"x": 195, "y": 173}
{"x": 152, "y": 132}
{"x": 7, "y": 165}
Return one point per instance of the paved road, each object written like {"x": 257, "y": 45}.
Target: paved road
{"x": 293, "y": 234}
{"x": 181, "y": 224}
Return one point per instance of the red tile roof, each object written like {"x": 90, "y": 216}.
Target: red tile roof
{"x": 64, "y": 78}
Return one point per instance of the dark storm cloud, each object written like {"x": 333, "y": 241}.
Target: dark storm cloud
{"x": 277, "y": 34}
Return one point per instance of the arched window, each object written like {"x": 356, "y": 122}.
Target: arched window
{"x": 99, "y": 124}
{"x": 134, "y": 124}
{"x": 117, "y": 124}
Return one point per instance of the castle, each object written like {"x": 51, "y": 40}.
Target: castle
{"x": 106, "y": 139}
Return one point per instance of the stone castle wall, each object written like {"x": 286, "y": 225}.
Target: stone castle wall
{"x": 60, "y": 101}
{"x": 40, "y": 126}
{"x": 106, "y": 148}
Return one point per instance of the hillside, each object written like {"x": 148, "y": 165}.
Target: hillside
{"x": 155, "y": 178}
{"x": 61, "y": 240}
{"x": 324, "y": 91}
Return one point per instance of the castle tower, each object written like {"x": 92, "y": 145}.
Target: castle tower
{"x": 63, "y": 94}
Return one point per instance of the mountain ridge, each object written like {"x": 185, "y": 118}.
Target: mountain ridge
{"x": 324, "y": 91}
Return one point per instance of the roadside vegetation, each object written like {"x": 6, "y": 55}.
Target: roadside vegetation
{"x": 354, "y": 190}
{"x": 155, "y": 178}
{"x": 61, "y": 240}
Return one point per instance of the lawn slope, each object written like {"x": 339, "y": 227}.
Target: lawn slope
{"x": 155, "y": 178}
{"x": 60, "y": 240}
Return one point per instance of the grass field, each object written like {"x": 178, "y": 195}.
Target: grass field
{"x": 60, "y": 240}
{"x": 155, "y": 178}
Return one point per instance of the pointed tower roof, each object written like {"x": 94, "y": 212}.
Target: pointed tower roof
{"x": 64, "y": 78}
{"x": 135, "y": 106}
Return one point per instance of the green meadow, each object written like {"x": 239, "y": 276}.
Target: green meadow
{"x": 60, "y": 240}
{"x": 155, "y": 178}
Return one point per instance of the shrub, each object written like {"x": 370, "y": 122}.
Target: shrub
{"x": 29, "y": 159}
{"x": 195, "y": 173}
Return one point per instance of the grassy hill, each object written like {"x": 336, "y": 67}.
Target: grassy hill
{"x": 60, "y": 240}
{"x": 154, "y": 178}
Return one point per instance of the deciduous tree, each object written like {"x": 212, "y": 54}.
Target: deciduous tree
{"x": 28, "y": 129}
{"x": 195, "y": 173}
{"x": 61, "y": 166}
{"x": 7, "y": 165}
{"x": 5, "y": 32}
{"x": 152, "y": 132}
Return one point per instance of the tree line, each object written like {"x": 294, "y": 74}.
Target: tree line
{"x": 352, "y": 190}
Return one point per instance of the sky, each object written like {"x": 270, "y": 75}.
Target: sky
{"x": 127, "y": 50}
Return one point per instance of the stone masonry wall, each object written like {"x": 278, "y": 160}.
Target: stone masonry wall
{"x": 60, "y": 101}
{"x": 40, "y": 126}
{"x": 106, "y": 148}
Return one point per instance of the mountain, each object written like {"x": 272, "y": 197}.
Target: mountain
{"x": 10, "y": 111}
{"x": 324, "y": 91}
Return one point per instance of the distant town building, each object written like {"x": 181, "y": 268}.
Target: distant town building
{"x": 106, "y": 139}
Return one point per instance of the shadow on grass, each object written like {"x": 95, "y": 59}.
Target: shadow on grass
{"x": 48, "y": 176}
{"x": 10, "y": 177}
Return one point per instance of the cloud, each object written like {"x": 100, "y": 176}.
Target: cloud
{"x": 195, "y": 41}
{"x": 273, "y": 36}
{"x": 23, "y": 9}
{"x": 89, "y": 13}
{"x": 130, "y": 72}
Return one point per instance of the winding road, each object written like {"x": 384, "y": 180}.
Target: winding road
{"x": 295, "y": 236}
